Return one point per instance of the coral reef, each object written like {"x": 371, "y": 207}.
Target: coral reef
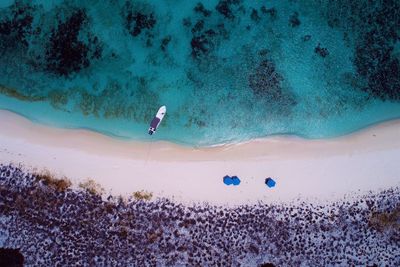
{"x": 266, "y": 80}
{"x": 224, "y": 7}
{"x": 376, "y": 31}
{"x": 138, "y": 19}
{"x": 70, "y": 227}
{"x": 110, "y": 62}
{"x": 16, "y": 26}
{"x": 199, "y": 8}
{"x": 66, "y": 53}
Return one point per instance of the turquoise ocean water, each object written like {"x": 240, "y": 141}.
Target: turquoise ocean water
{"x": 227, "y": 70}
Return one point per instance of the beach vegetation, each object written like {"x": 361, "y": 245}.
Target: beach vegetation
{"x": 142, "y": 195}
{"x": 153, "y": 236}
{"x": 92, "y": 187}
{"x": 122, "y": 201}
{"x": 109, "y": 207}
{"x": 199, "y": 235}
{"x": 51, "y": 180}
{"x": 123, "y": 233}
{"x": 386, "y": 220}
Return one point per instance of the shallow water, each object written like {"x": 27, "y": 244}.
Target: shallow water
{"x": 228, "y": 70}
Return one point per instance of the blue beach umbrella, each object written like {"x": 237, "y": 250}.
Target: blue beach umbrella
{"x": 235, "y": 180}
{"x": 270, "y": 182}
{"x": 227, "y": 180}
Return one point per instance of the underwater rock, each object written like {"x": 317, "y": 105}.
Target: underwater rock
{"x": 199, "y": 8}
{"x": 200, "y": 45}
{"x": 322, "y": 51}
{"x": 254, "y": 15}
{"x": 306, "y": 38}
{"x": 224, "y": 7}
{"x": 137, "y": 22}
{"x": 294, "y": 20}
{"x": 198, "y": 27}
{"x": 164, "y": 42}
{"x": 222, "y": 31}
{"x": 271, "y": 11}
{"x": 203, "y": 39}
{"x": 186, "y": 22}
{"x": 264, "y": 52}
{"x": 138, "y": 17}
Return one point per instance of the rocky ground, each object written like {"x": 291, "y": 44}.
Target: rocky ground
{"x": 53, "y": 225}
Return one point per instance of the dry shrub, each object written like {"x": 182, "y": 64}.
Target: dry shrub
{"x": 142, "y": 195}
{"x": 386, "y": 220}
{"x": 152, "y": 237}
{"x": 109, "y": 207}
{"x": 92, "y": 187}
{"x": 50, "y": 180}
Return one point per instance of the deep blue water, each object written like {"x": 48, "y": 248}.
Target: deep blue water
{"x": 228, "y": 70}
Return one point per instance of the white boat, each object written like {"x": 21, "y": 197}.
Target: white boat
{"x": 157, "y": 119}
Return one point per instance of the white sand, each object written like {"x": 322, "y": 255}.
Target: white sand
{"x": 305, "y": 169}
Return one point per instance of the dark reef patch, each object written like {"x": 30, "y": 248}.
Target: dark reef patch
{"x": 224, "y": 7}
{"x": 200, "y": 45}
{"x": 53, "y": 227}
{"x": 203, "y": 39}
{"x": 137, "y": 22}
{"x": 322, "y": 51}
{"x": 16, "y": 25}
{"x": 199, "y": 8}
{"x": 66, "y": 53}
{"x": 272, "y": 12}
{"x": 254, "y": 15}
{"x": 60, "y": 45}
{"x": 186, "y": 22}
{"x": 206, "y": 34}
{"x": 294, "y": 20}
{"x": 198, "y": 27}
{"x": 140, "y": 21}
{"x": 376, "y": 28}
{"x": 374, "y": 57}
{"x": 306, "y": 38}
{"x": 374, "y": 61}
{"x": 164, "y": 42}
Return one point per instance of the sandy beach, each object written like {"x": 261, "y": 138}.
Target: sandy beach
{"x": 303, "y": 169}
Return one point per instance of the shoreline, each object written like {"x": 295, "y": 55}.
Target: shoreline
{"x": 317, "y": 169}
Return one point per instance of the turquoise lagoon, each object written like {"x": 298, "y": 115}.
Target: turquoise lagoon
{"x": 227, "y": 70}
